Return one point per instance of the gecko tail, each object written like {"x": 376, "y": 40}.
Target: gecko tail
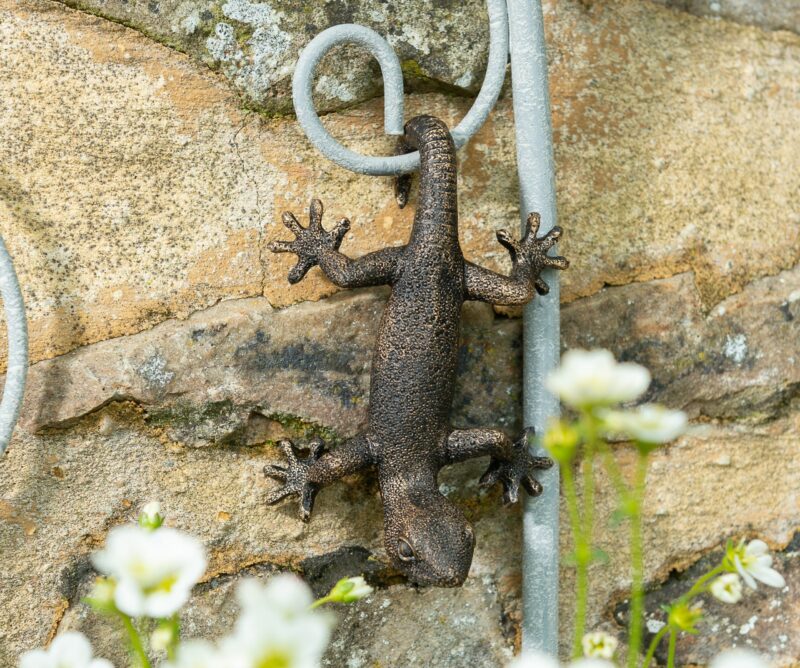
{"x": 403, "y": 182}
{"x": 430, "y": 136}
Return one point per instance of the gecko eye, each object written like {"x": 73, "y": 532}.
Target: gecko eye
{"x": 404, "y": 550}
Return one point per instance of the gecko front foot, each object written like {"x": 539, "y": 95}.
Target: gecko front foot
{"x": 295, "y": 475}
{"x": 533, "y": 251}
{"x": 518, "y": 470}
{"x": 310, "y": 242}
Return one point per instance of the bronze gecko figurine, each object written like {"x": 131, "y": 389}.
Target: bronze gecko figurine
{"x": 409, "y": 437}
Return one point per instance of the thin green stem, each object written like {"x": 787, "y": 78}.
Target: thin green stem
{"x": 581, "y": 574}
{"x": 700, "y": 586}
{"x": 637, "y": 562}
{"x": 175, "y": 637}
{"x": 319, "y": 602}
{"x": 651, "y": 651}
{"x": 673, "y": 639}
{"x": 137, "y": 648}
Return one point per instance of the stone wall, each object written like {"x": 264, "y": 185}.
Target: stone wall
{"x": 147, "y": 152}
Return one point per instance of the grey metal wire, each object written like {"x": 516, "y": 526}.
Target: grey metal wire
{"x": 518, "y": 25}
{"x": 303, "y": 78}
{"x": 17, "y": 328}
{"x": 541, "y": 344}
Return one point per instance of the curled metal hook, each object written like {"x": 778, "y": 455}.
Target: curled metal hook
{"x": 302, "y": 82}
{"x": 17, "y": 347}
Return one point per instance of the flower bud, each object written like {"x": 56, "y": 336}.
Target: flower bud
{"x": 101, "y": 598}
{"x": 162, "y": 637}
{"x": 151, "y": 517}
{"x": 348, "y": 590}
{"x": 684, "y": 618}
{"x": 561, "y": 441}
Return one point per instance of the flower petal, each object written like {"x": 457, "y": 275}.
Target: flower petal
{"x": 769, "y": 576}
{"x": 36, "y": 658}
{"x": 748, "y": 579}
{"x": 71, "y": 648}
{"x": 756, "y": 548}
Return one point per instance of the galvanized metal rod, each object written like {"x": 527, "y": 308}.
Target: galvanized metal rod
{"x": 17, "y": 328}
{"x": 536, "y": 170}
{"x": 303, "y": 79}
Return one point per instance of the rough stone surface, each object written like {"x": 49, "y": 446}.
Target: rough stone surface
{"x": 255, "y": 44}
{"x": 770, "y": 14}
{"x": 138, "y": 193}
{"x": 740, "y": 361}
{"x": 242, "y": 372}
{"x": 764, "y": 622}
{"x": 151, "y": 194}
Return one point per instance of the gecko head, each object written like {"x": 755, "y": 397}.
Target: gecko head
{"x": 429, "y": 540}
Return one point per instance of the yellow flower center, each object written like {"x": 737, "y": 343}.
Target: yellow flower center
{"x": 275, "y": 659}
{"x": 162, "y": 586}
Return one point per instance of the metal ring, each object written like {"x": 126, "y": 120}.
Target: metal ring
{"x": 393, "y": 93}
{"x": 17, "y": 328}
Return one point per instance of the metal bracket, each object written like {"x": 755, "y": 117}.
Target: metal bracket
{"x": 303, "y": 79}
{"x": 17, "y": 328}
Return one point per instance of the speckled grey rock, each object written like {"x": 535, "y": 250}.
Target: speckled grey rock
{"x": 764, "y": 621}
{"x": 769, "y": 14}
{"x": 255, "y": 43}
{"x": 740, "y": 361}
{"x": 242, "y": 372}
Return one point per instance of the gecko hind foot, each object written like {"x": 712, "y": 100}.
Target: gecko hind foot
{"x": 294, "y": 475}
{"x": 310, "y": 242}
{"x": 518, "y": 471}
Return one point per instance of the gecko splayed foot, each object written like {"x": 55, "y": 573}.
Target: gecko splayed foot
{"x": 408, "y": 437}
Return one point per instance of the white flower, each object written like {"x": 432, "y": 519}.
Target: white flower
{"x": 533, "y": 660}
{"x": 284, "y": 594}
{"x": 755, "y": 563}
{"x": 151, "y": 517}
{"x": 276, "y": 627}
{"x": 738, "y": 658}
{"x": 595, "y": 378}
{"x": 649, "y": 423}
{"x": 68, "y": 650}
{"x": 540, "y": 660}
{"x": 599, "y": 645}
{"x": 154, "y": 570}
{"x": 202, "y": 654}
{"x": 727, "y": 588}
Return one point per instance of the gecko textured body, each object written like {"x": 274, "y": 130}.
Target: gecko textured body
{"x": 409, "y": 437}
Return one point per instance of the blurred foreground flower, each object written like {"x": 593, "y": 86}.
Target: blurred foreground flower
{"x": 68, "y": 650}
{"x": 154, "y": 571}
{"x": 650, "y": 423}
{"x": 540, "y": 660}
{"x": 277, "y": 626}
{"x": 202, "y": 654}
{"x": 589, "y": 378}
{"x": 738, "y": 658}
{"x": 753, "y": 562}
